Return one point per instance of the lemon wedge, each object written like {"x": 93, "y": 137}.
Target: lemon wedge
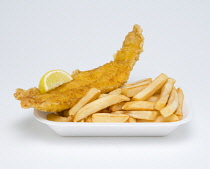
{"x": 53, "y": 79}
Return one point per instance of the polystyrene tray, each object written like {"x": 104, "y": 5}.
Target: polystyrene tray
{"x": 112, "y": 129}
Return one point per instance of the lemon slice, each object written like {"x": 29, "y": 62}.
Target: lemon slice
{"x": 53, "y": 79}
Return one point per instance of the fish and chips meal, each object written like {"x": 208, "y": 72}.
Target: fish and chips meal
{"x": 101, "y": 95}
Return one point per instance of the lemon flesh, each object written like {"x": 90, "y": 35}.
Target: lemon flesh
{"x": 53, "y": 79}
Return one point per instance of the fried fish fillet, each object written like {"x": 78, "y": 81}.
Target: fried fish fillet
{"x": 105, "y": 78}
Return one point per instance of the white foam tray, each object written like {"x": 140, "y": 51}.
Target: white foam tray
{"x": 112, "y": 129}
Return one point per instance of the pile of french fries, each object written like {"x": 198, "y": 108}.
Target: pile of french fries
{"x": 146, "y": 100}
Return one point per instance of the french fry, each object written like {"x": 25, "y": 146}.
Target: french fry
{"x": 172, "y": 95}
{"x": 119, "y": 112}
{"x": 116, "y": 91}
{"x": 91, "y": 95}
{"x": 153, "y": 98}
{"x": 181, "y": 99}
{"x": 116, "y": 107}
{"x": 60, "y": 113}
{"x": 154, "y": 86}
{"x": 109, "y": 118}
{"x": 139, "y": 105}
{"x": 57, "y": 118}
{"x": 98, "y": 105}
{"x": 142, "y": 120}
{"x": 105, "y": 111}
{"x": 172, "y": 104}
{"x": 159, "y": 119}
{"x": 158, "y": 114}
{"x": 88, "y": 119}
{"x": 147, "y": 115}
{"x": 170, "y": 118}
{"x": 138, "y": 82}
{"x": 83, "y": 120}
{"x": 165, "y": 93}
{"x": 102, "y": 95}
{"x": 180, "y": 117}
{"x": 65, "y": 113}
{"x": 130, "y": 91}
{"x": 158, "y": 92}
{"x": 131, "y": 120}
{"x": 124, "y": 112}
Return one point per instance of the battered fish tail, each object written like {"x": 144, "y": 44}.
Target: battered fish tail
{"x": 132, "y": 46}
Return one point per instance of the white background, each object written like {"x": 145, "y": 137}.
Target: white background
{"x": 38, "y": 36}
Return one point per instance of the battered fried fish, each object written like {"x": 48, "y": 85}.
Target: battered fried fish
{"x": 106, "y": 78}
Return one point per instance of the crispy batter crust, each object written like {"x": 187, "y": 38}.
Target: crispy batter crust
{"x": 106, "y": 78}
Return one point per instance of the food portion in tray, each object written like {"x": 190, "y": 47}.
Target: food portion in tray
{"x": 146, "y": 100}
{"x": 101, "y": 95}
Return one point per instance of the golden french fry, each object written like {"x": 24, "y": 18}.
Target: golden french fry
{"x": 139, "y": 105}
{"x": 116, "y": 91}
{"x": 60, "y": 113}
{"x": 159, "y": 119}
{"x": 98, "y": 105}
{"x": 165, "y": 93}
{"x": 181, "y": 99}
{"x": 130, "y": 91}
{"x": 88, "y": 119}
{"x": 158, "y": 114}
{"x": 91, "y": 95}
{"x": 57, "y": 118}
{"x": 172, "y": 104}
{"x": 131, "y": 120}
{"x": 102, "y": 95}
{"x": 65, "y": 113}
{"x": 153, "y": 99}
{"x": 138, "y": 82}
{"x": 119, "y": 112}
{"x": 105, "y": 111}
{"x": 154, "y": 86}
{"x": 158, "y": 92}
{"x": 172, "y": 95}
{"x": 170, "y": 118}
{"x": 83, "y": 120}
{"x": 180, "y": 117}
{"x": 147, "y": 115}
{"x": 116, "y": 107}
{"x": 142, "y": 120}
{"x": 127, "y": 112}
{"x": 109, "y": 118}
